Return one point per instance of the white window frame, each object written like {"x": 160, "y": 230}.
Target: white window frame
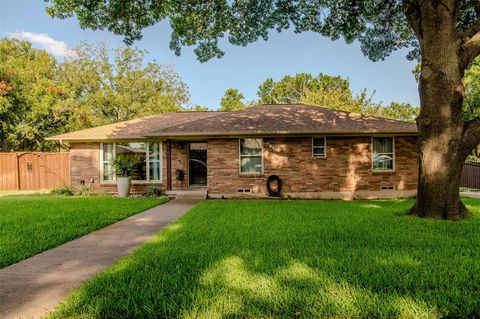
{"x": 240, "y": 156}
{"x": 324, "y": 147}
{"x": 393, "y": 154}
{"x": 147, "y": 160}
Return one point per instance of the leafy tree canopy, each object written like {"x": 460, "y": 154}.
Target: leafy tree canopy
{"x": 471, "y": 104}
{"x": 30, "y": 98}
{"x": 380, "y": 26}
{"x": 330, "y": 92}
{"x": 40, "y": 96}
{"x": 232, "y": 101}
{"x": 107, "y": 86}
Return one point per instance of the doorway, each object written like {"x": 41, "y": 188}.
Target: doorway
{"x": 197, "y": 167}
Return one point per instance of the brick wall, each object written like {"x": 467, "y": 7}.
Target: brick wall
{"x": 179, "y": 161}
{"x": 346, "y": 169}
{"x": 85, "y": 164}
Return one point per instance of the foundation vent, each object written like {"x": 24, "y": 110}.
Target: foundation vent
{"x": 387, "y": 187}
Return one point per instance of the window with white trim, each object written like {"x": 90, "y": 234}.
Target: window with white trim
{"x": 145, "y": 156}
{"x": 319, "y": 147}
{"x": 108, "y": 151}
{"x": 383, "y": 154}
{"x": 251, "y": 160}
{"x": 154, "y": 160}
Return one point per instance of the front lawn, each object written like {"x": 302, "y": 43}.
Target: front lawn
{"x": 34, "y": 223}
{"x": 294, "y": 259}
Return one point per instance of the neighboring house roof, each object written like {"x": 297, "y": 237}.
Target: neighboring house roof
{"x": 271, "y": 119}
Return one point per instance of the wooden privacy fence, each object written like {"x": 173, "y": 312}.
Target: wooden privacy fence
{"x": 34, "y": 170}
{"x": 470, "y": 177}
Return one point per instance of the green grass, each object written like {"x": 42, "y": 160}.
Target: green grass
{"x": 34, "y": 223}
{"x": 294, "y": 259}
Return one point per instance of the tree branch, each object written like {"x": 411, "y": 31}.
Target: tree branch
{"x": 412, "y": 12}
{"x": 471, "y": 135}
{"x": 469, "y": 42}
{"x": 464, "y": 35}
{"x": 470, "y": 49}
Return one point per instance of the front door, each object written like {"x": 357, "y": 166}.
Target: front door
{"x": 198, "y": 164}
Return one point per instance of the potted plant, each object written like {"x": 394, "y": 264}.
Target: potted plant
{"x": 123, "y": 167}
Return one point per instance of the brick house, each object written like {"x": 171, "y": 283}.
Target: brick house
{"x": 316, "y": 152}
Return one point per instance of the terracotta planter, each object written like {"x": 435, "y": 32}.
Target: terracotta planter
{"x": 123, "y": 186}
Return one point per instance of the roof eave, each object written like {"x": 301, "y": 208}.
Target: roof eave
{"x": 229, "y": 134}
{"x": 281, "y": 133}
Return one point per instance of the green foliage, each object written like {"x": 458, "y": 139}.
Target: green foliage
{"x": 198, "y": 108}
{"x": 40, "y": 96}
{"x": 82, "y": 190}
{"x": 79, "y": 190}
{"x": 153, "y": 191}
{"x": 329, "y": 92}
{"x": 30, "y": 98}
{"x": 232, "y": 101}
{"x": 394, "y": 110}
{"x": 380, "y": 26}
{"x": 474, "y": 156}
{"x": 107, "y": 86}
{"x": 293, "y": 259}
{"x": 471, "y": 103}
{"x": 124, "y": 165}
{"x": 64, "y": 190}
{"x": 31, "y": 224}
{"x": 321, "y": 90}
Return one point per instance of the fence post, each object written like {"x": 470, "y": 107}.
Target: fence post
{"x": 18, "y": 171}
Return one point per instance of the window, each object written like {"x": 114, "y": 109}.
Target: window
{"x": 137, "y": 153}
{"x": 319, "y": 147}
{"x": 146, "y": 158}
{"x": 108, "y": 156}
{"x": 154, "y": 159}
{"x": 383, "y": 156}
{"x": 251, "y": 155}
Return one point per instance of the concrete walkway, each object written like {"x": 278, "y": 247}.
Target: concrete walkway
{"x": 34, "y": 286}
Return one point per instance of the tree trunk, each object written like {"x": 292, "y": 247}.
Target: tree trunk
{"x": 440, "y": 123}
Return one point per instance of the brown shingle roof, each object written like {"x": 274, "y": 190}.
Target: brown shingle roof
{"x": 262, "y": 119}
{"x": 136, "y": 128}
{"x": 287, "y": 119}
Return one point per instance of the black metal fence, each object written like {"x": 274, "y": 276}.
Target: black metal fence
{"x": 470, "y": 181}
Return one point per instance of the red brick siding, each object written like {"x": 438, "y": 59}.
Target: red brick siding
{"x": 85, "y": 164}
{"x": 347, "y": 166}
{"x": 179, "y": 161}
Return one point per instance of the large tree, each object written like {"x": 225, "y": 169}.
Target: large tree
{"x": 30, "y": 98}
{"x": 444, "y": 34}
{"x": 40, "y": 96}
{"x": 110, "y": 85}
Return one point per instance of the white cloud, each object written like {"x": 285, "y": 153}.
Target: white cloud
{"x": 46, "y": 42}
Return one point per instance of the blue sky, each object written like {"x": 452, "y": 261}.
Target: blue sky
{"x": 243, "y": 68}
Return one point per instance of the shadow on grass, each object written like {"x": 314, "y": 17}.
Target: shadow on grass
{"x": 241, "y": 259}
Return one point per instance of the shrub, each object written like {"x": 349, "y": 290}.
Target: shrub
{"x": 152, "y": 191}
{"x": 64, "y": 190}
{"x": 82, "y": 190}
{"x": 123, "y": 166}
